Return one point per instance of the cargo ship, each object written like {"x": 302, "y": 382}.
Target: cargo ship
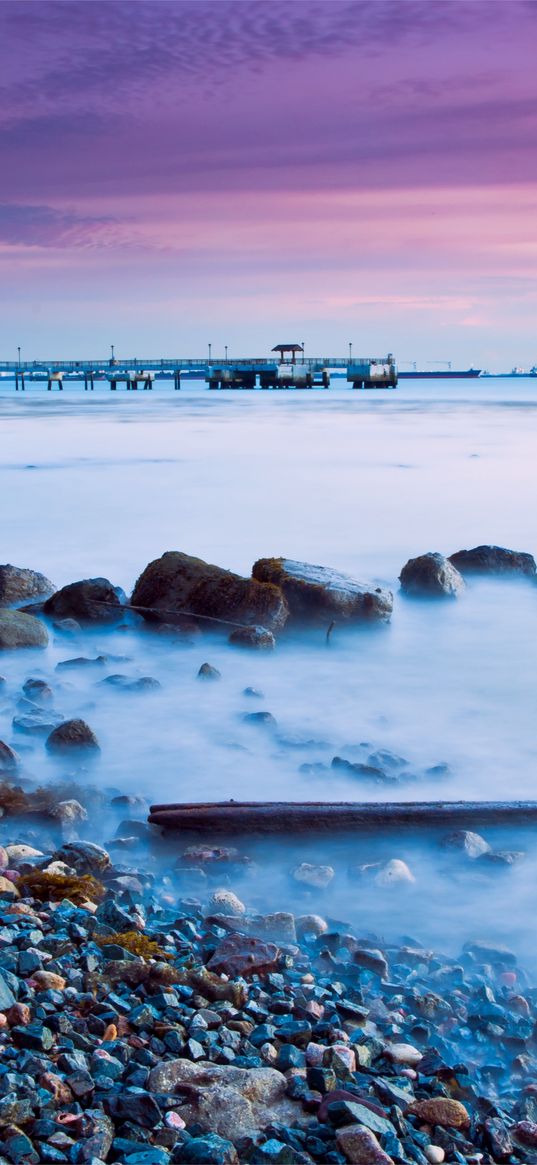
{"x": 440, "y": 374}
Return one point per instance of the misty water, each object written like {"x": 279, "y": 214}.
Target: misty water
{"x": 100, "y": 484}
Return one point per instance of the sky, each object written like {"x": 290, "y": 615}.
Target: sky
{"x": 176, "y": 173}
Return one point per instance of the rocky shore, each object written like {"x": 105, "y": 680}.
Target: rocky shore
{"x": 138, "y": 1026}
{"x": 150, "y": 1010}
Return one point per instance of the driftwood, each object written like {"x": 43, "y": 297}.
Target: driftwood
{"x": 231, "y": 817}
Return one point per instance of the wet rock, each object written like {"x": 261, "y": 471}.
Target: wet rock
{"x": 260, "y": 718}
{"x": 310, "y": 924}
{"x": 38, "y": 723}
{"x": 177, "y": 582}
{"x": 258, "y": 638}
{"x": 449, "y": 1114}
{"x": 319, "y": 877}
{"x": 483, "y": 952}
{"x": 8, "y": 888}
{"x": 466, "y": 842}
{"x": 228, "y": 1101}
{"x": 38, "y": 690}
{"x": 525, "y": 1132}
{"x": 83, "y": 856}
{"x": 9, "y": 761}
{"x": 365, "y": 772}
{"x": 127, "y": 684}
{"x": 69, "y": 811}
{"x": 431, "y": 575}
{"x": 361, "y": 1147}
{"x": 72, "y": 735}
{"x": 67, "y": 626}
{"x": 405, "y": 1054}
{"x": 208, "y": 672}
{"x": 435, "y": 1154}
{"x": 494, "y": 560}
{"x": 18, "y": 584}
{"x": 372, "y": 960}
{"x": 501, "y": 859}
{"x": 20, "y": 630}
{"x": 81, "y": 661}
{"x": 91, "y": 601}
{"x": 245, "y": 955}
{"x": 498, "y": 1139}
{"x": 227, "y": 902}
{"x": 136, "y": 1106}
{"x": 48, "y": 981}
{"x": 18, "y": 854}
{"x": 385, "y": 874}
{"x": 318, "y": 594}
{"x": 7, "y": 998}
{"x": 208, "y": 1150}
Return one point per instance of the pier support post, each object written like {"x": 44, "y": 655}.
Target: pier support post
{"x": 49, "y": 384}
{"x": 113, "y": 385}
{"x": 177, "y": 380}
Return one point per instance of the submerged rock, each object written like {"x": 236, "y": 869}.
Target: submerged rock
{"x": 258, "y": 638}
{"x": 72, "y": 734}
{"x": 93, "y": 600}
{"x": 179, "y": 583}
{"x": 431, "y": 575}
{"x": 20, "y": 630}
{"x": 466, "y": 842}
{"x": 9, "y": 761}
{"x": 319, "y": 877}
{"x": 208, "y": 672}
{"x": 494, "y": 560}
{"x": 318, "y": 594}
{"x": 18, "y": 584}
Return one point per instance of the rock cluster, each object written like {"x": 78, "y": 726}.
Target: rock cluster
{"x": 138, "y": 1028}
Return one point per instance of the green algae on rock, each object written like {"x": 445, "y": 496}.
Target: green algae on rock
{"x": 178, "y": 583}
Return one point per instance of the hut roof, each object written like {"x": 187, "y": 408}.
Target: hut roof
{"x": 288, "y": 348}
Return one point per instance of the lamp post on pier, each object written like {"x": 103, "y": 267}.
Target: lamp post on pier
{"x": 210, "y": 346}
{"x": 226, "y": 353}
{"x": 350, "y": 352}
{"x": 19, "y": 351}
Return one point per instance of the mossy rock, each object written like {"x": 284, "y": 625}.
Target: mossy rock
{"x": 318, "y": 594}
{"x": 20, "y": 630}
{"x": 177, "y": 584}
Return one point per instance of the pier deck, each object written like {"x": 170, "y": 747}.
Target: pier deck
{"x": 237, "y": 373}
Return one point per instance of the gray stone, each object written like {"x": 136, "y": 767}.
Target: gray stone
{"x": 431, "y": 576}
{"x": 93, "y": 600}
{"x": 18, "y": 584}
{"x": 20, "y": 630}
{"x": 226, "y": 1100}
{"x": 318, "y": 594}
{"x": 494, "y": 560}
{"x": 72, "y": 734}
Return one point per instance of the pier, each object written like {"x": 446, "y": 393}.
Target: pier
{"x": 287, "y": 367}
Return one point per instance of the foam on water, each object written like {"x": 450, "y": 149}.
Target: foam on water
{"x": 99, "y": 485}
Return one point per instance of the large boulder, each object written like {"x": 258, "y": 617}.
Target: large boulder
{"x": 72, "y": 734}
{"x": 177, "y": 583}
{"x": 18, "y": 584}
{"x": 431, "y": 576}
{"x": 20, "y": 630}
{"x": 318, "y": 594}
{"x": 494, "y": 560}
{"x": 93, "y": 600}
{"x": 231, "y": 1102}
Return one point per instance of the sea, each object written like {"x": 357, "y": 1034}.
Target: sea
{"x": 100, "y": 483}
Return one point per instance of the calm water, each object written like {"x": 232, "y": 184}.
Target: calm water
{"x": 95, "y": 484}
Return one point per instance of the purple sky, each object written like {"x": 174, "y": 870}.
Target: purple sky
{"x": 238, "y": 171}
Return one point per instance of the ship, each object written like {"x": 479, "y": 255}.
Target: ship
{"x": 440, "y": 374}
